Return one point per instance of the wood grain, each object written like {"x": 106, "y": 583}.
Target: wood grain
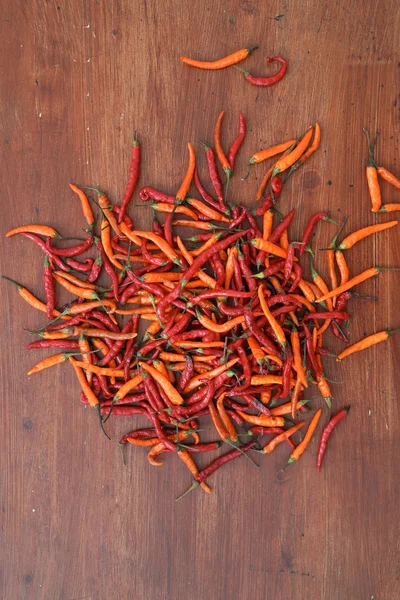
{"x": 76, "y": 79}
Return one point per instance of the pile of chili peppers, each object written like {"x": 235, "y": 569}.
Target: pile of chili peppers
{"x": 234, "y": 332}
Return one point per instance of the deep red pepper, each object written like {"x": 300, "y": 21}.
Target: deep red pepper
{"x": 157, "y": 228}
{"x": 82, "y": 267}
{"x": 201, "y": 404}
{"x": 72, "y": 250}
{"x": 187, "y": 373}
{"x": 326, "y": 433}
{"x": 258, "y": 334}
{"x": 274, "y": 268}
{"x": 272, "y": 197}
{"x": 276, "y": 234}
{"x": 316, "y": 218}
{"x": 214, "y": 176}
{"x": 149, "y": 193}
{"x": 117, "y": 345}
{"x": 127, "y": 220}
{"x": 168, "y": 229}
{"x": 133, "y": 177}
{"x": 222, "y": 460}
{"x": 298, "y": 274}
{"x": 105, "y": 320}
{"x": 124, "y": 411}
{"x": 286, "y": 372}
{"x": 218, "y": 268}
{"x": 237, "y": 143}
{"x": 139, "y": 434}
{"x": 203, "y": 192}
{"x": 237, "y": 220}
{"x": 267, "y": 81}
{"x": 109, "y": 269}
{"x": 155, "y": 260}
{"x": 254, "y": 403}
{"x": 95, "y": 270}
{"x": 310, "y": 351}
{"x": 48, "y": 284}
{"x": 333, "y": 314}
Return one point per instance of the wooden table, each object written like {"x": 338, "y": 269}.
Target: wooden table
{"x": 77, "y": 78}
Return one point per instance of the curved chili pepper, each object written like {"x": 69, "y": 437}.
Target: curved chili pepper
{"x": 326, "y": 434}
{"x": 68, "y": 344}
{"x": 204, "y": 194}
{"x": 221, "y": 63}
{"x": 187, "y": 373}
{"x": 42, "y": 245}
{"x": 214, "y": 175}
{"x": 72, "y": 250}
{"x": 48, "y": 283}
{"x": 82, "y": 267}
{"x": 272, "y": 197}
{"x": 267, "y": 81}
{"x": 314, "y": 219}
{"x": 257, "y": 333}
{"x": 236, "y": 145}
{"x": 276, "y": 234}
{"x": 133, "y": 177}
{"x": 222, "y": 460}
{"x": 310, "y": 351}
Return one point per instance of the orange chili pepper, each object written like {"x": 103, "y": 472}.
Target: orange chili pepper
{"x": 297, "y": 360}
{"x": 189, "y": 258}
{"x": 276, "y": 328}
{"x": 32, "y": 300}
{"x": 76, "y": 309}
{"x": 161, "y": 243}
{"x": 262, "y": 155}
{"x": 218, "y": 148}
{"x": 223, "y": 328}
{"x": 361, "y": 234}
{"x": 50, "y": 361}
{"x": 86, "y": 293}
{"x": 229, "y": 267}
{"x": 203, "y": 225}
{"x": 313, "y": 147}
{"x": 87, "y": 390}
{"x": 38, "y": 229}
{"x": 197, "y": 380}
{"x": 262, "y": 420}
{"x": 282, "y": 437}
{"x": 255, "y": 348}
{"x": 367, "y": 274}
{"x": 298, "y": 451}
{"x": 209, "y": 212}
{"x": 343, "y": 267}
{"x": 367, "y": 342}
{"x": 295, "y": 396}
{"x": 225, "y": 418}
{"x": 105, "y": 233}
{"x": 389, "y": 177}
{"x": 227, "y": 61}
{"x": 127, "y": 387}
{"x": 372, "y": 175}
{"x": 288, "y": 160}
{"x": 76, "y": 281}
{"x": 183, "y": 190}
{"x": 285, "y": 409}
{"x": 159, "y": 447}
{"x": 320, "y": 283}
{"x": 391, "y": 207}
{"x": 99, "y": 370}
{"x": 85, "y": 204}
{"x": 263, "y": 185}
{"x": 269, "y": 247}
{"x": 87, "y": 358}
{"x": 164, "y": 382}
{"x": 165, "y": 207}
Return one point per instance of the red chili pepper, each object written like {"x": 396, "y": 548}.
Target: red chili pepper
{"x": 48, "y": 283}
{"x": 204, "y": 194}
{"x": 326, "y": 433}
{"x": 236, "y": 145}
{"x": 316, "y": 218}
{"x": 117, "y": 346}
{"x": 72, "y": 250}
{"x": 310, "y": 351}
{"x": 257, "y": 333}
{"x": 138, "y": 434}
{"x": 287, "y": 270}
{"x": 218, "y": 268}
{"x": 266, "y": 81}
{"x": 272, "y": 197}
{"x": 194, "y": 408}
{"x": 254, "y": 403}
{"x": 157, "y": 228}
{"x": 214, "y": 175}
{"x": 133, "y": 177}
{"x": 257, "y": 430}
{"x": 298, "y": 275}
{"x": 247, "y": 274}
{"x": 187, "y": 373}
{"x": 68, "y": 344}
{"x": 276, "y": 234}
{"x": 124, "y": 411}
{"x": 222, "y": 460}
{"x": 333, "y": 314}
{"x": 275, "y": 267}
{"x": 149, "y": 193}
{"x": 126, "y": 219}
{"x": 286, "y": 372}
{"x": 82, "y": 267}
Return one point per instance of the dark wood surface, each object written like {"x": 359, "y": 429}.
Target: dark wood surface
{"x": 76, "y": 79}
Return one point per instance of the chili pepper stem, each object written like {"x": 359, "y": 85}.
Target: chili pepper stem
{"x": 122, "y": 448}
{"x": 102, "y": 422}
{"x": 194, "y": 485}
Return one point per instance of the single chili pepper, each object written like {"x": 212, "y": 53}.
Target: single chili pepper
{"x": 207, "y": 211}
{"x": 184, "y": 188}
{"x": 268, "y": 247}
{"x": 67, "y": 344}
{"x": 272, "y": 79}
{"x": 109, "y": 269}
{"x": 262, "y": 155}
{"x": 166, "y": 385}
{"x": 222, "y": 460}
{"x": 268, "y": 448}
{"x": 86, "y": 208}
{"x": 31, "y": 299}
{"x": 335, "y": 314}
{"x": 48, "y": 287}
{"x": 218, "y": 268}
{"x": 82, "y": 267}
{"x": 187, "y": 373}
{"x": 214, "y": 175}
{"x": 306, "y": 440}
{"x": 367, "y": 342}
{"x": 87, "y": 358}
{"x": 361, "y": 234}
{"x": 221, "y": 63}
{"x": 50, "y": 361}
{"x": 367, "y": 274}
{"x": 261, "y": 337}
{"x": 285, "y": 162}
{"x": 38, "y": 229}
{"x": 295, "y": 396}
{"x": 117, "y": 345}
{"x": 236, "y": 145}
{"x": 316, "y": 218}
{"x": 286, "y": 372}
{"x": 95, "y": 270}
{"x": 272, "y": 197}
{"x": 326, "y": 434}
{"x": 124, "y": 411}
{"x": 105, "y": 234}
{"x": 372, "y": 174}
{"x": 134, "y": 170}
{"x": 310, "y": 351}
{"x": 204, "y": 194}
{"x": 276, "y": 234}
{"x": 225, "y": 164}
{"x": 72, "y": 250}
{"x": 310, "y": 150}
{"x": 389, "y": 177}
